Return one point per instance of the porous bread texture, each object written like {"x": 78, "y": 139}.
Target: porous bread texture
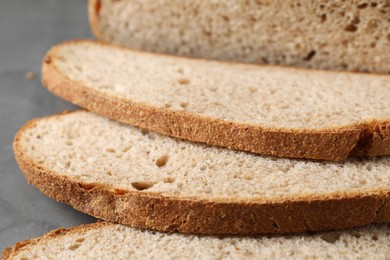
{"x": 336, "y": 35}
{"x": 132, "y": 176}
{"x": 92, "y": 149}
{"x": 107, "y": 241}
{"x": 274, "y": 97}
{"x": 277, "y": 111}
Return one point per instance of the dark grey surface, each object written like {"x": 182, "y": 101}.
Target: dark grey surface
{"x": 28, "y": 28}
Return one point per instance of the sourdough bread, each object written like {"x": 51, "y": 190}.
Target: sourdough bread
{"x": 112, "y": 241}
{"x": 336, "y": 35}
{"x": 277, "y": 111}
{"x": 131, "y": 176}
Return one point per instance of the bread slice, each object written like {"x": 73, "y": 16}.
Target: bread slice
{"x": 336, "y": 35}
{"x": 112, "y": 241}
{"x": 277, "y": 111}
{"x": 130, "y": 176}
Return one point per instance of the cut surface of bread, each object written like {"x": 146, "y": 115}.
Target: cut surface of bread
{"x": 131, "y": 176}
{"x": 284, "y": 112}
{"x": 336, "y": 35}
{"x": 113, "y": 241}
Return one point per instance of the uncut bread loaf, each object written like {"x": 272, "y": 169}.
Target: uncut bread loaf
{"x": 336, "y": 35}
{"x": 112, "y": 241}
{"x": 284, "y": 112}
{"x": 131, "y": 176}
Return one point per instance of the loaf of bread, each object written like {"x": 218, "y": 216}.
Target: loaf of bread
{"x": 112, "y": 241}
{"x": 131, "y": 176}
{"x": 336, "y": 35}
{"x": 277, "y": 111}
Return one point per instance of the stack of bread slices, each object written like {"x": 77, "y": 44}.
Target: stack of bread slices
{"x": 205, "y": 159}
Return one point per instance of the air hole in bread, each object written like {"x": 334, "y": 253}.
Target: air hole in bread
{"x": 331, "y": 238}
{"x": 142, "y": 185}
{"x": 225, "y": 18}
{"x": 109, "y": 173}
{"x": 168, "y": 105}
{"x": 144, "y": 131}
{"x": 180, "y": 70}
{"x": 69, "y": 143}
{"x": 169, "y": 180}
{"x": 355, "y": 234}
{"x": 264, "y": 60}
{"x": 323, "y": 17}
{"x": 78, "y": 68}
{"x": 248, "y": 178}
{"x": 127, "y": 148}
{"x": 184, "y": 104}
{"x": 204, "y": 167}
{"x": 80, "y": 240}
{"x": 67, "y": 164}
{"x": 74, "y": 247}
{"x": 110, "y": 150}
{"x": 351, "y": 28}
{"x": 252, "y": 90}
{"x": 310, "y": 55}
{"x": 374, "y": 237}
{"x": 162, "y": 161}
{"x": 183, "y": 81}
{"x": 362, "y": 5}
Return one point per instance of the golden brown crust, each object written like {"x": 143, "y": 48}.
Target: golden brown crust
{"x": 11, "y": 252}
{"x": 202, "y": 216}
{"x": 94, "y": 7}
{"x": 6, "y": 253}
{"x": 374, "y": 140}
{"x": 333, "y": 144}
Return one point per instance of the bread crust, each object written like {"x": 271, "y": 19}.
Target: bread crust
{"x": 13, "y": 251}
{"x": 93, "y": 16}
{"x": 334, "y": 144}
{"x": 171, "y": 213}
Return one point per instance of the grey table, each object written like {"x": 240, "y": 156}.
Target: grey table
{"x": 28, "y": 28}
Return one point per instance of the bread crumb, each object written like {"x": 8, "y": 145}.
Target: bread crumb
{"x": 30, "y": 75}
